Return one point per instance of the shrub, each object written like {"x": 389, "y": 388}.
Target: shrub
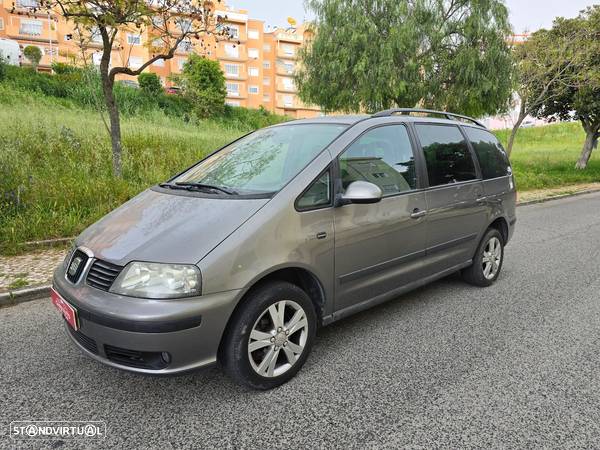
{"x": 33, "y": 55}
{"x": 203, "y": 84}
{"x": 150, "y": 83}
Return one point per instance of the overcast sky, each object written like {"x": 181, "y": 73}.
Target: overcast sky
{"x": 524, "y": 14}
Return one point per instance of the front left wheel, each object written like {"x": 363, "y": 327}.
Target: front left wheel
{"x": 270, "y": 336}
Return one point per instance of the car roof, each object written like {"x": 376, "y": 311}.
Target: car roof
{"x": 353, "y": 119}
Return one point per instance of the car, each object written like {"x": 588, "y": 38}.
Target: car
{"x": 239, "y": 259}
{"x": 173, "y": 90}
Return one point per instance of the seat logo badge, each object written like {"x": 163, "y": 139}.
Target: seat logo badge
{"x": 75, "y": 265}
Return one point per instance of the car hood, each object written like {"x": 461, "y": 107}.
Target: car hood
{"x": 166, "y": 227}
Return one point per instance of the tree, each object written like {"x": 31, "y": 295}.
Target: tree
{"x": 150, "y": 83}
{"x": 578, "y": 95}
{"x": 443, "y": 54}
{"x": 168, "y": 24}
{"x": 543, "y": 66}
{"x": 203, "y": 83}
{"x": 33, "y": 55}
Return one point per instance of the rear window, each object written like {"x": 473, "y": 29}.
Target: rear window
{"x": 446, "y": 153}
{"x": 492, "y": 157}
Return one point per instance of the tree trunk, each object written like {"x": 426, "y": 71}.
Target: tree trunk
{"x": 513, "y": 133}
{"x": 113, "y": 114}
{"x": 591, "y": 142}
{"x": 115, "y": 124}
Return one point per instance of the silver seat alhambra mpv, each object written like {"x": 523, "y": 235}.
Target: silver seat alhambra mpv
{"x": 240, "y": 258}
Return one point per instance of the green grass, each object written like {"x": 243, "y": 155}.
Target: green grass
{"x": 55, "y": 161}
{"x": 544, "y": 157}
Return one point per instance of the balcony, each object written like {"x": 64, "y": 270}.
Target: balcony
{"x": 288, "y": 37}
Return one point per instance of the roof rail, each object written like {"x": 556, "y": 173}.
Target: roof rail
{"x": 408, "y": 111}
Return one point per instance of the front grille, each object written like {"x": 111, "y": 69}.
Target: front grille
{"x": 135, "y": 358}
{"x": 86, "y": 342}
{"x": 76, "y": 265}
{"x": 102, "y": 274}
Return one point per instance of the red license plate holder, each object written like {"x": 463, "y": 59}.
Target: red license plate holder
{"x": 67, "y": 310}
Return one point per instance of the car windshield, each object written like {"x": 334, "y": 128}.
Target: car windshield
{"x": 260, "y": 163}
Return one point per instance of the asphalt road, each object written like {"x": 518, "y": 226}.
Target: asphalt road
{"x": 515, "y": 365}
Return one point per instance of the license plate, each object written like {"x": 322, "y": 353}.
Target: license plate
{"x": 68, "y": 311}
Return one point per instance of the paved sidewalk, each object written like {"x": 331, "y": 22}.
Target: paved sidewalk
{"x": 30, "y": 269}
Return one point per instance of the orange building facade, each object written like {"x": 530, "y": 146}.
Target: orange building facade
{"x": 259, "y": 66}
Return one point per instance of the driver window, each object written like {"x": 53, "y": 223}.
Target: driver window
{"x": 382, "y": 156}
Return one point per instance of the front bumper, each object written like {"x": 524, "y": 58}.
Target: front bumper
{"x": 145, "y": 335}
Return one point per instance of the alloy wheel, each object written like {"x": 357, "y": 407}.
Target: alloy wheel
{"x": 492, "y": 256}
{"x": 278, "y": 338}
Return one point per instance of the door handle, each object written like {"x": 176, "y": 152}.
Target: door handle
{"x": 481, "y": 199}
{"x": 321, "y": 235}
{"x": 418, "y": 213}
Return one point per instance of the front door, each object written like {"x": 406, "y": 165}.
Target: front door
{"x": 378, "y": 247}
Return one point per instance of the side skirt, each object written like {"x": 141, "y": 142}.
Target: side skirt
{"x": 348, "y": 311}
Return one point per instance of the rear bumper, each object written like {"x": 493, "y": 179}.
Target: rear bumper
{"x": 148, "y": 336}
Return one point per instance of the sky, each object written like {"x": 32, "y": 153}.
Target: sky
{"x": 525, "y": 15}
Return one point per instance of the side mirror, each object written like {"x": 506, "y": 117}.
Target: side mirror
{"x": 361, "y": 192}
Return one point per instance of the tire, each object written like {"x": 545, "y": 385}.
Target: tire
{"x": 253, "y": 324}
{"x": 477, "y": 273}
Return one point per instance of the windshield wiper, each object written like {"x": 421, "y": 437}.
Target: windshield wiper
{"x": 207, "y": 186}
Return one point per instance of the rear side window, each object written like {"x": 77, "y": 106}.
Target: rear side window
{"x": 446, "y": 154}
{"x": 382, "y": 156}
{"x": 492, "y": 157}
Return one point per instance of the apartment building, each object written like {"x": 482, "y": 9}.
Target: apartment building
{"x": 258, "y": 65}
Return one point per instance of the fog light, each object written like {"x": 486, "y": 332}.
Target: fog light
{"x": 166, "y": 357}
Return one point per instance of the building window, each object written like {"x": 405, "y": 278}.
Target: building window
{"x": 28, "y": 3}
{"x": 253, "y": 34}
{"x": 184, "y": 25}
{"x": 185, "y": 46}
{"x": 232, "y": 70}
{"x": 289, "y": 67}
{"x": 1, "y": 23}
{"x": 288, "y": 84}
{"x": 288, "y": 50}
{"x": 266, "y": 81}
{"x": 233, "y": 89}
{"x": 266, "y": 98}
{"x": 95, "y": 35}
{"x": 232, "y": 102}
{"x": 232, "y": 50}
{"x": 158, "y": 22}
{"x": 134, "y": 39}
{"x": 31, "y": 27}
{"x": 266, "y": 48}
{"x": 253, "y": 89}
{"x": 159, "y": 63}
{"x": 266, "y": 65}
{"x": 253, "y": 71}
{"x": 135, "y": 62}
{"x": 288, "y": 100}
{"x": 253, "y": 53}
{"x": 234, "y": 31}
{"x": 181, "y": 62}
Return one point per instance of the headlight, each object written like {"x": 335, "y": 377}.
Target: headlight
{"x": 154, "y": 280}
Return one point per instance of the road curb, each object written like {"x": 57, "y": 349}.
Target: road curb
{"x": 24, "y": 295}
{"x": 557, "y": 197}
